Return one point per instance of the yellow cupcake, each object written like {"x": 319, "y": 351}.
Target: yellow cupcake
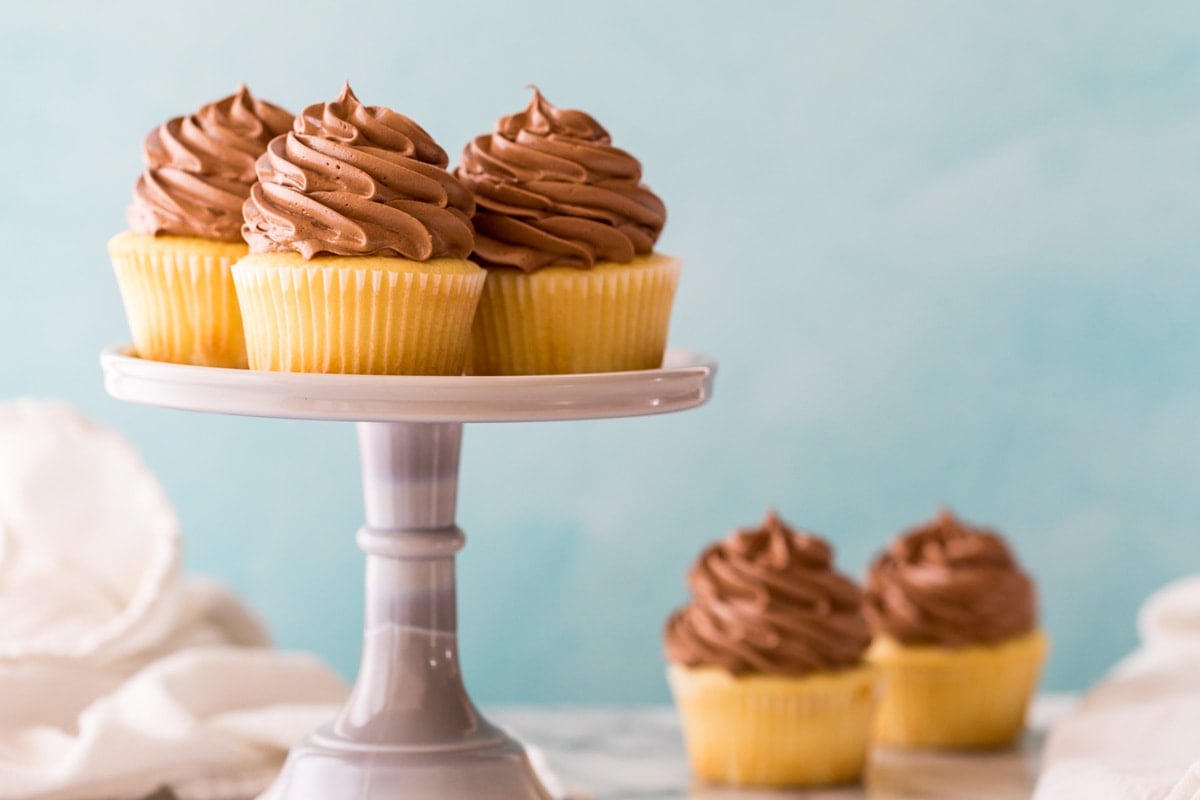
{"x": 766, "y": 663}
{"x": 775, "y": 731}
{"x": 179, "y": 298}
{"x": 969, "y": 698}
{"x": 173, "y": 265}
{"x": 362, "y": 268}
{"x": 563, "y": 320}
{"x": 357, "y": 315}
{"x": 566, "y": 230}
{"x": 955, "y": 638}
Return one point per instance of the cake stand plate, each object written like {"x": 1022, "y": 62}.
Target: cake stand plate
{"x": 684, "y": 381}
{"x": 409, "y": 731}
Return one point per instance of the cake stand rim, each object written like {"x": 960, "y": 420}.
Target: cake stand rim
{"x": 684, "y": 382}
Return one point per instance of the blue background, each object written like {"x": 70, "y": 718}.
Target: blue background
{"x": 944, "y": 252}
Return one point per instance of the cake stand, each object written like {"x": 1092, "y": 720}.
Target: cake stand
{"x": 408, "y": 730}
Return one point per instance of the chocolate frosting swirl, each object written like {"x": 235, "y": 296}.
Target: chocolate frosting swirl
{"x": 948, "y": 583}
{"x": 200, "y": 168}
{"x": 355, "y": 180}
{"x": 767, "y": 600}
{"x": 553, "y": 191}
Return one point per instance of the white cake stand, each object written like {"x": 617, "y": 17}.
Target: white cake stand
{"x": 409, "y": 731}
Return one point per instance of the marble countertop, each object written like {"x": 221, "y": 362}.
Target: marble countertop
{"x": 623, "y": 754}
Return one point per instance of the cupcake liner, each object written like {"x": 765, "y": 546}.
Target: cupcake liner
{"x": 971, "y": 698}
{"x": 179, "y": 298}
{"x": 563, "y": 320}
{"x": 771, "y": 731}
{"x": 357, "y": 315}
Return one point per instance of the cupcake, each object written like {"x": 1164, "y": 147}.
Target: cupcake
{"x": 358, "y": 249}
{"x": 185, "y": 230}
{"x": 955, "y": 624}
{"x": 767, "y": 663}
{"x": 566, "y": 230}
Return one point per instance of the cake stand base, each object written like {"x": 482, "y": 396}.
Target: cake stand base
{"x": 320, "y": 768}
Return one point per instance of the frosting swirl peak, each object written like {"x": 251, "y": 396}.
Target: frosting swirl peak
{"x": 553, "y": 191}
{"x": 767, "y": 600}
{"x": 947, "y": 583}
{"x": 355, "y": 180}
{"x": 199, "y": 168}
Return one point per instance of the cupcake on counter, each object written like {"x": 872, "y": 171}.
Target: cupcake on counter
{"x": 566, "y": 230}
{"x": 185, "y": 230}
{"x": 767, "y": 666}
{"x": 956, "y": 636}
{"x": 358, "y": 248}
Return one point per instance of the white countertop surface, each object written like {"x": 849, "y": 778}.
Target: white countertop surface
{"x": 622, "y": 754}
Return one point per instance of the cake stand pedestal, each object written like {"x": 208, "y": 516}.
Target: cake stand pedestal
{"x": 409, "y": 731}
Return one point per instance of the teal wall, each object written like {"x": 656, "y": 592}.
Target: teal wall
{"x": 944, "y": 252}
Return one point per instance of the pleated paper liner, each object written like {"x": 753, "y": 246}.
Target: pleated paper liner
{"x": 774, "y": 731}
{"x": 562, "y": 320}
{"x": 179, "y": 298}
{"x": 968, "y": 698}
{"x": 365, "y": 315}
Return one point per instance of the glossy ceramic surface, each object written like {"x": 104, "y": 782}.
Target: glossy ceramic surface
{"x": 685, "y": 380}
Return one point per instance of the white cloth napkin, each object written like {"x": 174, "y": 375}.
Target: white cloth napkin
{"x": 1136, "y": 735}
{"x": 119, "y": 675}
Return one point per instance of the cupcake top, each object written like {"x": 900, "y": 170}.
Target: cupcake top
{"x": 355, "y": 180}
{"x": 951, "y": 584}
{"x": 553, "y": 191}
{"x": 767, "y": 600}
{"x": 199, "y": 168}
